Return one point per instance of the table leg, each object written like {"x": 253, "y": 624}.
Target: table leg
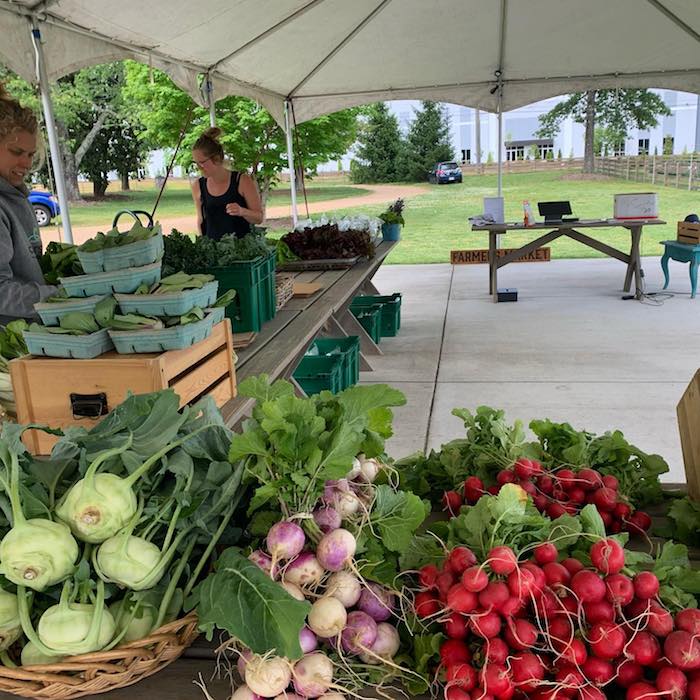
{"x": 636, "y": 260}
{"x": 664, "y": 267}
{"x": 693, "y": 277}
{"x": 493, "y": 259}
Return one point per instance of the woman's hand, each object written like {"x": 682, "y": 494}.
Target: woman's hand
{"x": 234, "y": 209}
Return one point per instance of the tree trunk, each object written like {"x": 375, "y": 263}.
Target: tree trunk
{"x": 99, "y": 186}
{"x": 589, "y": 151}
{"x": 125, "y": 181}
{"x": 299, "y": 175}
{"x": 91, "y": 136}
{"x": 70, "y": 171}
{"x": 265, "y": 192}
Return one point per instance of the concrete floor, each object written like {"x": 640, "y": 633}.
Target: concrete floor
{"x": 570, "y": 350}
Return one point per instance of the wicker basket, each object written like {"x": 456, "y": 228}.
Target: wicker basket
{"x": 284, "y": 287}
{"x": 89, "y": 674}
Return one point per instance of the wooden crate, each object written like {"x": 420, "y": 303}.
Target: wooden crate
{"x": 43, "y": 386}
{"x": 688, "y": 232}
{"x": 688, "y": 411}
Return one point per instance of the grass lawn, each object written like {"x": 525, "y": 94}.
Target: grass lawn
{"x": 436, "y": 222}
{"x": 177, "y": 199}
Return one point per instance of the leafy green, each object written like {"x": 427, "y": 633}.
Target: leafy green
{"x": 396, "y": 515}
{"x": 225, "y": 299}
{"x": 292, "y": 446}
{"x": 105, "y": 310}
{"x": 179, "y": 282}
{"x": 60, "y": 260}
{"x": 241, "y": 599}
{"x": 134, "y": 322}
{"x": 12, "y": 343}
{"x": 423, "y": 549}
{"x": 114, "y": 239}
{"x": 684, "y": 521}
{"x": 81, "y": 321}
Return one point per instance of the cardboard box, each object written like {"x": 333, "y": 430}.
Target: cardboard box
{"x": 60, "y": 393}
{"x": 637, "y": 205}
{"x": 688, "y": 232}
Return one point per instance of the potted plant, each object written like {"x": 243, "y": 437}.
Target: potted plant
{"x": 392, "y": 220}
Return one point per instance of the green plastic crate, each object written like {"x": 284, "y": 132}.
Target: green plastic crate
{"x": 370, "y": 318}
{"x": 269, "y": 288}
{"x": 391, "y": 311}
{"x": 246, "y": 311}
{"x": 321, "y": 373}
{"x": 347, "y": 348}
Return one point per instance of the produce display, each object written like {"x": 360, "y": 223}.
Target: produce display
{"x": 199, "y": 253}
{"x": 495, "y": 568}
{"x": 104, "y": 541}
{"x": 327, "y": 241}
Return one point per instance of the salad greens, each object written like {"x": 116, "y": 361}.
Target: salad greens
{"x": 60, "y": 260}
{"x": 177, "y": 282}
{"x": 114, "y": 239}
{"x": 12, "y": 343}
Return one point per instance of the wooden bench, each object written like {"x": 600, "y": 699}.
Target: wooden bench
{"x": 284, "y": 340}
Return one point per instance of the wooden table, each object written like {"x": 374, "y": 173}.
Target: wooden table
{"x": 554, "y": 231}
{"x": 282, "y": 342}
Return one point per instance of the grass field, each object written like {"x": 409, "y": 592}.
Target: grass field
{"x": 436, "y": 222}
{"x": 177, "y": 199}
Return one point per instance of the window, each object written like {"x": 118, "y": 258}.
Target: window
{"x": 448, "y": 166}
{"x": 668, "y": 145}
{"x": 618, "y": 149}
{"x": 643, "y": 147}
{"x": 466, "y": 155}
{"x": 546, "y": 151}
{"x": 515, "y": 153}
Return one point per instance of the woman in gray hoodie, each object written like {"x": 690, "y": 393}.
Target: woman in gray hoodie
{"x": 21, "y": 282}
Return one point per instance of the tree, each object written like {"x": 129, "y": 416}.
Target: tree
{"x": 616, "y": 110}
{"x": 380, "y": 146}
{"x": 251, "y": 137}
{"x": 86, "y": 103}
{"x": 428, "y": 141}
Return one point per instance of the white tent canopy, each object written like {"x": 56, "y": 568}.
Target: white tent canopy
{"x": 324, "y": 55}
{"x": 320, "y": 56}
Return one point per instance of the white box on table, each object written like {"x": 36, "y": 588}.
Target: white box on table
{"x": 637, "y": 205}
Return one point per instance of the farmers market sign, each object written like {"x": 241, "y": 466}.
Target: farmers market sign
{"x": 474, "y": 257}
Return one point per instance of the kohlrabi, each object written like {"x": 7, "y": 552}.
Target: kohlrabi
{"x": 70, "y": 627}
{"x": 134, "y": 618}
{"x": 10, "y": 627}
{"x": 99, "y": 505}
{"x": 31, "y": 656}
{"x": 37, "y": 553}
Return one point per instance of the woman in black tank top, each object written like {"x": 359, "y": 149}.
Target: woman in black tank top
{"x": 227, "y": 202}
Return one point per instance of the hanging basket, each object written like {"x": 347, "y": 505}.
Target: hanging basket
{"x": 102, "y": 671}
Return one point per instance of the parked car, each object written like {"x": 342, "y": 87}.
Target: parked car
{"x": 446, "y": 172}
{"x": 45, "y": 206}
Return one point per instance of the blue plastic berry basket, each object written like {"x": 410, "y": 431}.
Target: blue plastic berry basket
{"x": 175, "y": 304}
{"x": 135, "y": 254}
{"x": 51, "y": 313}
{"x": 115, "y": 282}
{"x": 76, "y": 347}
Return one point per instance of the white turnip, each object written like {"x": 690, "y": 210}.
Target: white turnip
{"x": 327, "y": 617}
{"x": 313, "y": 675}
{"x": 267, "y": 676}
{"x": 304, "y": 571}
{"x": 345, "y": 587}
{"x": 385, "y": 646}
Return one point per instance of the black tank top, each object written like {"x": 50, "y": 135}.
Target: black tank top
{"x": 216, "y": 222}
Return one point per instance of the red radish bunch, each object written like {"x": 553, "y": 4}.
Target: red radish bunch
{"x": 556, "y": 630}
{"x": 559, "y": 492}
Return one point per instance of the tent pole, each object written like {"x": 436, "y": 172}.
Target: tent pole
{"x": 500, "y": 145}
{"x": 54, "y": 148}
{"x": 211, "y": 101}
{"x": 290, "y": 161}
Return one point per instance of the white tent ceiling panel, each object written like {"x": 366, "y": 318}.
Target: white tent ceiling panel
{"x": 433, "y": 44}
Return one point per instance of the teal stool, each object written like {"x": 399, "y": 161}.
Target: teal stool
{"x": 682, "y": 252}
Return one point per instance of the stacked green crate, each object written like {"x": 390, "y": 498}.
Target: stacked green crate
{"x": 254, "y": 282}
{"x": 391, "y": 310}
{"x": 370, "y": 318}
{"x": 320, "y": 373}
{"x": 349, "y": 351}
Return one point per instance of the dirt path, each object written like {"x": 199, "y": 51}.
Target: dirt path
{"x": 379, "y": 195}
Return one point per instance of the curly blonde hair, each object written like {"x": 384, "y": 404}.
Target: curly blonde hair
{"x": 209, "y": 144}
{"x": 14, "y": 117}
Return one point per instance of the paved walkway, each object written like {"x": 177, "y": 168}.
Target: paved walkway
{"x": 570, "y": 350}
{"x": 380, "y": 194}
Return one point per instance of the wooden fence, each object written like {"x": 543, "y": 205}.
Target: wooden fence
{"x": 682, "y": 172}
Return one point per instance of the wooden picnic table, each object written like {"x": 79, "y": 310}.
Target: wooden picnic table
{"x": 283, "y": 341}
{"x": 569, "y": 229}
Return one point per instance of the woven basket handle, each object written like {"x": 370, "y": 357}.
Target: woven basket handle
{"x": 135, "y": 214}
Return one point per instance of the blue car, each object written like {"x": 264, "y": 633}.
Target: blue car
{"x": 45, "y": 206}
{"x": 444, "y": 173}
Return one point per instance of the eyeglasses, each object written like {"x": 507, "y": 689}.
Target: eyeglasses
{"x": 200, "y": 163}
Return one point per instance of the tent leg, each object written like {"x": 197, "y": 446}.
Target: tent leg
{"x": 54, "y": 148}
{"x": 290, "y": 161}
{"x": 211, "y": 101}
{"x": 500, "y": 149}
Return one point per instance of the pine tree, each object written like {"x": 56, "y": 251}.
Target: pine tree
{"x": 380, "y": 146}
{"x": 428, "y": 141}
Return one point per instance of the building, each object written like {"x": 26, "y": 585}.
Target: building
{"x": 677, "y": 133}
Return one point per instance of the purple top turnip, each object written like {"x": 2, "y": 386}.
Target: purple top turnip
{"x": 285, "y": 540}
{"x": 377, "y": 602}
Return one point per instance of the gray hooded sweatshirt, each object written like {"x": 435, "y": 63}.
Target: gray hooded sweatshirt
{"x": 21, "y": 282}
